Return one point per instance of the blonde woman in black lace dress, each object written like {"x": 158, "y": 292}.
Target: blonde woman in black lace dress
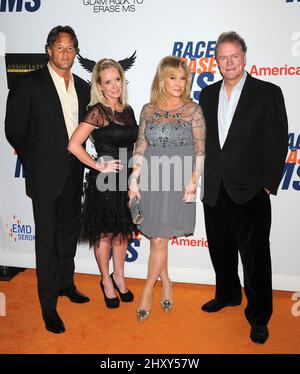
{"x": 106, "y": 222}
{"x": 168, "y": 158}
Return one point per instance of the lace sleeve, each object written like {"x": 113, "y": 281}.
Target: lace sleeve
{"x": 198, "y": 128}
{"x": 95, "y": 117}
{"x": 141, "y": 143}
{"x": 132, "y": 116}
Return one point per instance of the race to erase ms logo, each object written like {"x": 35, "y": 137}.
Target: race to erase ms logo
{"x": 19, "y": 5}
{"x": 17, "y": 230}
{"x": 199, "y": 56}
{"x": 19, "y": 170}
{"x": 132, "y": 253}
{"x": 291, "y": 173}
{"x": 132, "y": 248}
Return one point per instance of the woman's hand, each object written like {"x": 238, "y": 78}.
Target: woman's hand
{"x": 134, "y": 190}
{"x": 190, "y": 193}
{"x": 112, "y": 166}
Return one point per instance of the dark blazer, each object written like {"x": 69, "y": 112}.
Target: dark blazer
{"x": 254, "y": 152}
{"x": 35, "y": 127}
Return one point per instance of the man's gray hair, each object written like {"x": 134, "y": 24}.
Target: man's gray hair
{"x": 230, "y": 37}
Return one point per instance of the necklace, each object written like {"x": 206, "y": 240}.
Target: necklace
{"x": 171, "y": 108}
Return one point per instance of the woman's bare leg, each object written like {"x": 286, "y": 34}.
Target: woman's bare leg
{"x": 157, "y": 259}
{"x": 102, "y": 252}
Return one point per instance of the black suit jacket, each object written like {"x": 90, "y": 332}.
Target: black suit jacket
{"x": 254, "y": 152}
{"x": 36, "y": 128}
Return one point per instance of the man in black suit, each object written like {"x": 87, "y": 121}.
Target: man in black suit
{"x": 43, "y": 109}
{"x": 246, "y": 146}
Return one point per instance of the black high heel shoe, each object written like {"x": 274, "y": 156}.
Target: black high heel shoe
{"x": 110, "y": 303}
{"x": 126, "y": 297}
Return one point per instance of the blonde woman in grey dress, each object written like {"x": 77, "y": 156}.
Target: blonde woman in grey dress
{"x": 168, "y": 160}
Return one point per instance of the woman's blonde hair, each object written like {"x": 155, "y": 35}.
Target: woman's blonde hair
{"x": 96, "y": 94}
{"x": 166, "y": 67}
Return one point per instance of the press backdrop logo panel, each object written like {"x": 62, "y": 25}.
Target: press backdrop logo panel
{"x": 291, "y": 172}
{"x": 19, "y": 5}
{"x": 191, "y": 243}
{"x": 113, "y": 6}
{"x": 19, "y": 231}
{"x": 199, "y": 56}
{"x": 285, "y": 70}
{"x": 21, "y": 63}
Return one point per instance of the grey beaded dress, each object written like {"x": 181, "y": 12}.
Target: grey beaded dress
{"x": 168, "y": 144}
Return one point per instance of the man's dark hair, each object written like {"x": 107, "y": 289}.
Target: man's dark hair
{"x": 53, "y": 35}
{"x": 230, "y": 37}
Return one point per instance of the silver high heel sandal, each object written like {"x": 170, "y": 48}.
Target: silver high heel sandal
{"x": 167, "y": 304}
{"x": 142, "y": 314}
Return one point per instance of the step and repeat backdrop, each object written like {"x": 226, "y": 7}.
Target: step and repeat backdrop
{"x": 144, "y": 31}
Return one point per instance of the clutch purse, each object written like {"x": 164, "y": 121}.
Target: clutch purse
{"x": 136, "y": 211}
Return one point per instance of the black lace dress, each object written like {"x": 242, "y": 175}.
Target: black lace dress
{"x": 105, "y": 204}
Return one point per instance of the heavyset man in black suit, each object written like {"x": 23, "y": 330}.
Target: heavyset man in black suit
{"x": 43, "y": 109}
{"x": 246, "y": 146}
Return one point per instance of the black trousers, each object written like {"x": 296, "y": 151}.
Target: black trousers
{"x": 245, "y": 228}
{"x": 56, "y": 228}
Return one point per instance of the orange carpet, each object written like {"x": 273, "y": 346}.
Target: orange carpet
{"x": 92, "y": 328}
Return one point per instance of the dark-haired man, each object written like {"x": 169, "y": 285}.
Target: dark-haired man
{"x": 43, "y": 109}
{"x": 246, "y": 146}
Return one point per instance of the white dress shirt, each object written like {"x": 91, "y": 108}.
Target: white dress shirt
{"x": 227, "y": 108}
{"x": 68, "y": 99}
